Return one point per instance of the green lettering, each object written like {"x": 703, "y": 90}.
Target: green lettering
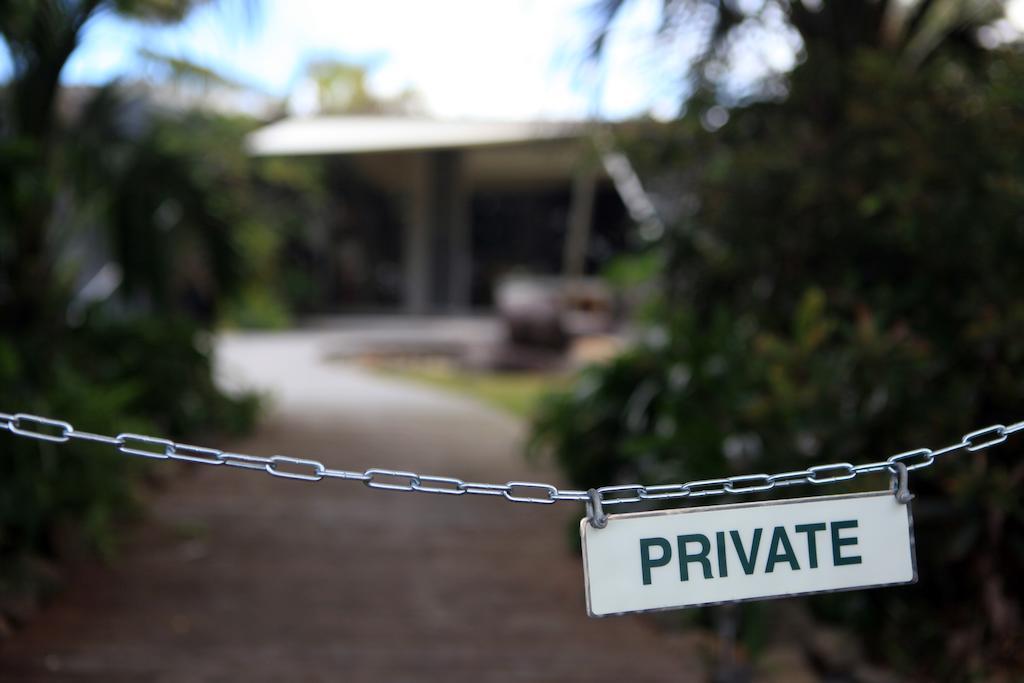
{"x": 723, "y": 570}
{"x": 838, "y": 543}
{"x": 685, "y": 558}
{"x": 780, "y": 538}
{"x": 746, "y": 561}
{"x": 647, "y": 562}
{"x": 812, "y": 543}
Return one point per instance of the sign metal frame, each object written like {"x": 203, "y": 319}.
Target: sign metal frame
{"x": 586, "y": 529}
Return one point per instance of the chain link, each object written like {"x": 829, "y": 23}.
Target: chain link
{"x": 58, "y": 431}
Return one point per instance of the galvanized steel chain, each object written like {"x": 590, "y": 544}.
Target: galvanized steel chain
{"x": 59, "y": 431}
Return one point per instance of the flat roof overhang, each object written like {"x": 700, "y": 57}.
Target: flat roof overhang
{"x": 348, "y": 135}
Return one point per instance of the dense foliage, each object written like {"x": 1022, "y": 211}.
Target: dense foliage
{"x": 843, "y": 283}
{"x": 147, "y": 376}
{"x": 131, "y": 223}
{"x": 125, "y": 230}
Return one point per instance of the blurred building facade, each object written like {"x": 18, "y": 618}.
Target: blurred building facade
{"x": 465, "y": 204}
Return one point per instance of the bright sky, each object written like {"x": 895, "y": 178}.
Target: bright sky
{"x": 466, "y": 58}
{"x": 516, "y": 59}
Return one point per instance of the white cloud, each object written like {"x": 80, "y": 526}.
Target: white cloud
{"x": 466, "y": 58}
{"x": 1015, "y": 14}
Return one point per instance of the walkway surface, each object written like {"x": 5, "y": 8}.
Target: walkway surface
{"x": 238, "y": 576}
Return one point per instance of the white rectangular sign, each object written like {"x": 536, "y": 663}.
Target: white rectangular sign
{"x": 728, "y": 553}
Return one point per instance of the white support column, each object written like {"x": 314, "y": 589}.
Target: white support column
{"x": 417, "y": 243}
{"x": 460, "y": 247}
{"x": 581, "y": 216}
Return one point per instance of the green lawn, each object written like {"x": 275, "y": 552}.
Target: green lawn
{"x": 515, "y": 393}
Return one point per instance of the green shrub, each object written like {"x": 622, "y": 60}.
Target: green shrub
{"x": 844, "y": 283}
{"x": 138, "y": 212}
{"x": 148, "y": 376}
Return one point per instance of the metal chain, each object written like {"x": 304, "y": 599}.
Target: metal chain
{"x": 59, "y": 431}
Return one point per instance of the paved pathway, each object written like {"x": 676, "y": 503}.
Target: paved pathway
{"x": 238, "y": 576}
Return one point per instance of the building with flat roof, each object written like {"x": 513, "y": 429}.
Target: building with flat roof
{"x": 474, "y": 201}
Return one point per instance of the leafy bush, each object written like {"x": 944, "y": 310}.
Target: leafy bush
{"x": 121, "y": 227}
{"x": 149, "y": 376}
{"x": 843, "y": 283}
{"x": 146, "y": 200}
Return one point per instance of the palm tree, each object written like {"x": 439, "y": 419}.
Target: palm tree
{"x": 831, "y": 31}
{"x": 60, "y": 172}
